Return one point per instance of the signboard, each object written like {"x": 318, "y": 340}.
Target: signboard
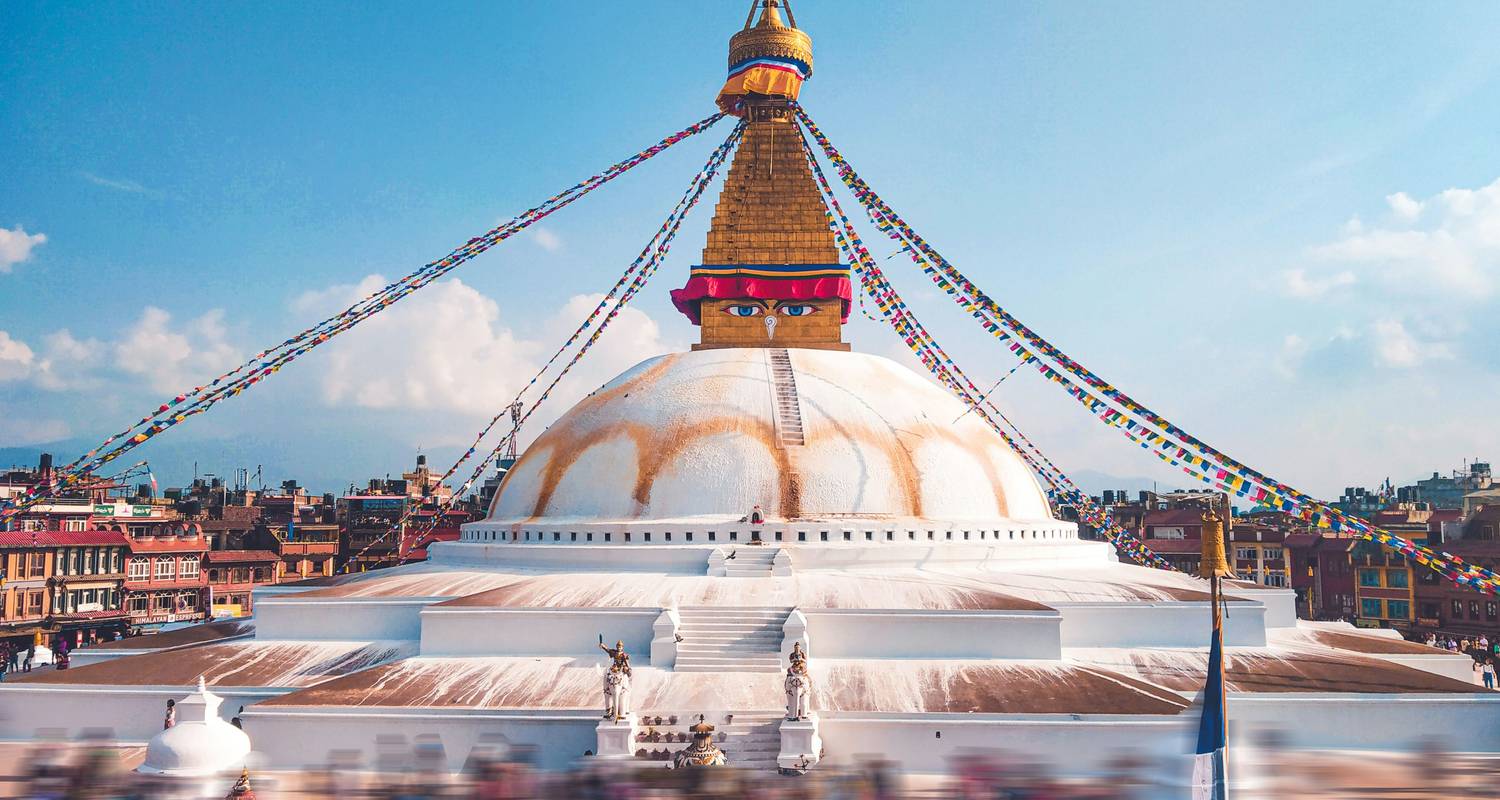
{"x": 140, "y": 511}
{"x": 374, "y": 503}
{"x": 104, "y": 511}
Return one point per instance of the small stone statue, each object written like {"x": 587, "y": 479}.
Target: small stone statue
{"x": 616, "y": 693}
{"x": 617, "y": 655}
{"x": 616, "y": 681}
{"x": 798, "y": 686}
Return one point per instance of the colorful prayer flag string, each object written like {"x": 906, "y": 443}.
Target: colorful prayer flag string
{"x": 268, "y": 362}
{"x": 636, "y": 275}
{"x": 937, "y": 361}
{"x": 1030, "y": 346}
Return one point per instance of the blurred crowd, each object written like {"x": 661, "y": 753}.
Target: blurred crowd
{"x": 100, "y": 770}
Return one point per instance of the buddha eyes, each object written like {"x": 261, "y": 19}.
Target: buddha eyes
{"x": 753, "y": 310}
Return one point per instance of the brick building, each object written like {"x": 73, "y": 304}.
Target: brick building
{"x": 165, "y": 581}
{"x": 233, "y": 576}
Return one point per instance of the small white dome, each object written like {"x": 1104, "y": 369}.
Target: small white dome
{"x": 705, "y": 434}
{"x": 199, "y": 743}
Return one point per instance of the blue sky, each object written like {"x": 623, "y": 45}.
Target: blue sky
{"x": 1277, "y": 224}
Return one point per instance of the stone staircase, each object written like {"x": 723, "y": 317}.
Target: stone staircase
{"x": 730, "y": 639}
{"x": 750, "y": 561}
{"x": 752, "y": 741}
{"x": 788, "y": 407}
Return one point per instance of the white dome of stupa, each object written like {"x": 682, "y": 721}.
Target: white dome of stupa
{"x": 200, "y": 743}
{"x": 710, "y": 434}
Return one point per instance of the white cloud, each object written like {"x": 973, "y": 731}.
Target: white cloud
{"x": 1455, "y": 256}
{"x": 118, "y": 185}
{"x": 16, "y": 358}
{"x": 448, "y": 348}
{"x": 1299, "y": 284}
{"x": 1393, "y": 345}
{"x": 173, "y": 359}
{"x": 1403, "y": 206}
{"x": 16, "y": 246}
{"x": 68, "y": 362}
{"x": 546, "y": 239}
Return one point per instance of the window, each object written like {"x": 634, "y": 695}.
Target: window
{"x": 37, "y": 567}
{"x": 75, "y": 525}
{"x": 1369, "y": 577}
{"x": 1244, "y": 553}
{"x": 1396, "y": 578}
{"x": 188, "y": 568}
{"x": 1272, "y": 553}
{"x": 1276, "y": 579}
{"x": 137, "y": 603}
{"x": 1473, "y": 609}
{"x": 1398, "y": 609}
{"x": 34, "y": 604}
{"x": 164, "y": 567}
{"x": 1489, "y": 611}
{"x": 1458, "y": 609}
{"x": 188, "y": 602}
{"x": 1369, "y": 608}
{"x": 140, "y": 569}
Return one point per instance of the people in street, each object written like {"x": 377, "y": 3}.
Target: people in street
{"x": 1489, "y": 673}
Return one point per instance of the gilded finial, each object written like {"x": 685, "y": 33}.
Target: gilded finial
{"x": 770, "y": 58}
{"x": 1214, "y": 563}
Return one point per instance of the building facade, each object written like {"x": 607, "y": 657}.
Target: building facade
{"x": 165, "y": 581}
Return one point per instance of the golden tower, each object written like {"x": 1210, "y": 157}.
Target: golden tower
{"x": 770, "y": 275}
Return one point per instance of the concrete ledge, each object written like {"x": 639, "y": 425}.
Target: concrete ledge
{"x": 468, "y": 631}
{"x": 132, "y": 713}
{"x": 318, "y": 619}
{"x": 850, "y": 633}
{"x": 1158, "y": 624}
{"x": 1460, "y": 723}
{"x": 293, "y": 737}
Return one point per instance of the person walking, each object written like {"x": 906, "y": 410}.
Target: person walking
{"x": 15, "y": 657}
{"x": 30, "y": 656}
{"x": 1489, "y": 674}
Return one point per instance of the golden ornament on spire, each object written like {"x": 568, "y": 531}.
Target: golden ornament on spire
{"x": 768, "y": 59}
{"x": 1214, "y": 563}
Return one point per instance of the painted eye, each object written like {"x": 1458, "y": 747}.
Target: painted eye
{"x": 743, "y": 310}
{"x": 800, "y": 310}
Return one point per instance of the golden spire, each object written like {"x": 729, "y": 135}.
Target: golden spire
{"x": 770, "y": 37}
{"x": 1214, "y": 563}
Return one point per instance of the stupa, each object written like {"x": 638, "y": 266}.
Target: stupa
{"x": 814, "y": 549}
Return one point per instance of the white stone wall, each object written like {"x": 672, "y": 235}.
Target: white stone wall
{"x": 460, "y": 631}
{"x": 341, "y": 619}
{"x": 835, "y": 633}
{"x": 1165, "y": 624}
{"x": 292, "y": 738}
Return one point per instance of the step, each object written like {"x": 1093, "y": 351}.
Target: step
{"x": 763, "y": 645}
{"x": 770, "y": 642}
{"x": 728, "y": 663}
{"x": 739, "y": 622}
{"x": 732, "y": 628}
{"x": 756, "y": 668}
